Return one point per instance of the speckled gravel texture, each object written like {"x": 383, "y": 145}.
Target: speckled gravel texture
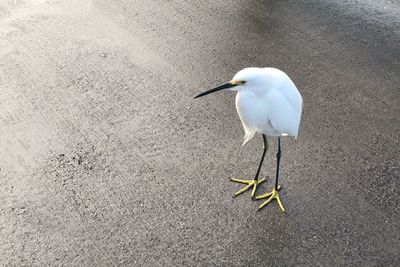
{"x": 105, "y": 158}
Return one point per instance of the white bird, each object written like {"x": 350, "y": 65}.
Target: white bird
{"x": 267, "y": 102}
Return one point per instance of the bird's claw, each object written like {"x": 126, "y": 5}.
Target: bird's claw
{"x": 250, "y": 183}
{"x": 272, "y": 195}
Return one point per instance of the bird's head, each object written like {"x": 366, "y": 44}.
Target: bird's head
{"x": 245, "y": 78}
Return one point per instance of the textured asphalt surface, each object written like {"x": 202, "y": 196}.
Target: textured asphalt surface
{"x": 105, "y": 159}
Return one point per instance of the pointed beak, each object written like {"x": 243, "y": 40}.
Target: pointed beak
{"x": 219, "y": 88}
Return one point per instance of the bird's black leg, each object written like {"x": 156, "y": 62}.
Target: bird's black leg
{"x": 274, "y": 194}
{"x": 278, "y": 159}
{"x": 253, "y": 183}
{"x": 263, "y": 156}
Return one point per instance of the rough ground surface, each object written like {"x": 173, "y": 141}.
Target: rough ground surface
{"x": 105, "y": 159}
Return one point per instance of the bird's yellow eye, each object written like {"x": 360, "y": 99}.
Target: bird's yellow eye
{"x": 238, "y": 82}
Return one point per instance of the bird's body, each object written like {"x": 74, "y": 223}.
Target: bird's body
{"x": 267, "y": 102}
{"x": 271, "y": 105}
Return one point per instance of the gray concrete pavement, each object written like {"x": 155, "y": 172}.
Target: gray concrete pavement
{"x": 105, "y": 159}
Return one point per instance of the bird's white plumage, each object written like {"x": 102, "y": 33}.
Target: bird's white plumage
{"x": 268, "y": 102}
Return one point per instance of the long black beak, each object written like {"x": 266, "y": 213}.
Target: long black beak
{"x": 222, "y": 87}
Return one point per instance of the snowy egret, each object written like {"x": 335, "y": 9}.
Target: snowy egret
{"x": 267, "y": 102}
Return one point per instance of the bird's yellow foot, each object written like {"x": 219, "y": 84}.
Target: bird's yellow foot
{"x": 250, "y": 183}
{"x": 272, "y": 195}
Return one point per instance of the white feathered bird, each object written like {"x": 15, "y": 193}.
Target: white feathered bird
{"x": 267, "y": 102}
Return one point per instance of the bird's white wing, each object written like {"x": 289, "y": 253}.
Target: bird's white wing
{"x": 283, "y": 116}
